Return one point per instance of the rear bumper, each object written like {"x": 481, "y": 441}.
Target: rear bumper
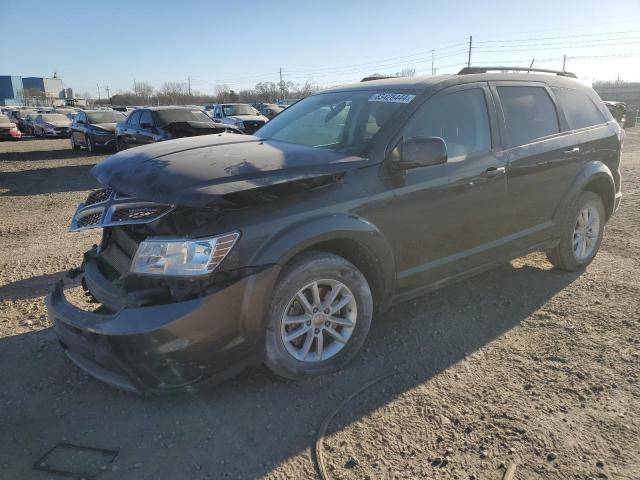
{"x": 167, "y": 347}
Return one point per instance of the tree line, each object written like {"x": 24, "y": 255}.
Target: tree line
{"x": 176, "y": 93}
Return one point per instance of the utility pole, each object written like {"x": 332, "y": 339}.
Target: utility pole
{"x": 470, "y": 46}
{"x": 564, "y": 63}
{"x": 432, "y": 70}
{"x": 98, "y": 91}
{"x": 281, "y": 85}
{"x": 108, "y": 94}
{"x": 189, "y": 82}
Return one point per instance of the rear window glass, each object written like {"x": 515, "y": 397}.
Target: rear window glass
{"x": 529, "y": 114}
{"x": 578, "y": 109}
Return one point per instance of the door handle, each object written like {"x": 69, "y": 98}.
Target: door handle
{"x": 493, "y": 172}
{"x": 572, "y": 151}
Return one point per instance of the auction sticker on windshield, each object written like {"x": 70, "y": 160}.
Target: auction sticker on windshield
{"x": 391, "y": 97}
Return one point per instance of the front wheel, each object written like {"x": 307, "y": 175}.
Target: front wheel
{"x": 581, "y": 235}
{"x": 90, "y": 146}
{"x": 120, "y": 144}
{"x": 320, "y": 315}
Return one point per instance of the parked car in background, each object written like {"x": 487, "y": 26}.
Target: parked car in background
{"x": 29, "y": 123}
{"x": 269, "y": 110}
{"x": 51, "y": 125}
{"x": 8, "y": 129}
{"x": 95, "y": 129}
{"x": 618, "y": 110}
{"x": 19, "y": 117}
{"x": 240, "y": 115}
{"x": 279, "y": 247}
{"x": 156, "y": 124}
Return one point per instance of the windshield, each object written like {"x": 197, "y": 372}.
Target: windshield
{"x": 54, "y": 117}
{"x": 341, "y": 121}
{"x": 4, "y": 119}
{"x": 233, "y": 110}
{"x": 24, "y": 113}
{"x": 105, "y": 117}
{"x": 165, "y": 117}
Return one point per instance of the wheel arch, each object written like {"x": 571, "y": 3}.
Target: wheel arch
{"x": 595, "y": 177}
{"x": 348, "y": 236}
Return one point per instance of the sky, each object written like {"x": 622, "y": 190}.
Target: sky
{"x": 240, "y": 43}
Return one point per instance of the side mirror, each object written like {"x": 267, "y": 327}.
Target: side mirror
{"x": 421, "y": 152}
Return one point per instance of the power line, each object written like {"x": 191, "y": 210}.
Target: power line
{"x": 560, "y": 37}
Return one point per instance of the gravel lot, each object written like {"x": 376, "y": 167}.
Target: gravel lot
{"x": 524, "y": 365}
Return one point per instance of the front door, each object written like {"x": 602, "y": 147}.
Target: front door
{"x": 450, "y": 218}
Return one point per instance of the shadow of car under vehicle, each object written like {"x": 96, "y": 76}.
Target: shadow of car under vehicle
{"x": 247, "y": 426}
{"x": 47, "y": 180}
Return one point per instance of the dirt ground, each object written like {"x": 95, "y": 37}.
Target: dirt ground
{"x": 524, "y": 365}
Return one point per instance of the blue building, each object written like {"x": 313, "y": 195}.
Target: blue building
{"x": 10, "y": 90}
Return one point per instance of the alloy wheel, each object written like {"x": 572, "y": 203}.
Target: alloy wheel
{"x": 319, "y": 320}
{"x": 585, "y": 232}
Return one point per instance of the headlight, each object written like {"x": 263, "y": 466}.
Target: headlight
{"x": 171, "y": 257}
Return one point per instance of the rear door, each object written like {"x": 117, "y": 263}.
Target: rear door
{"x": 543, "y": 160}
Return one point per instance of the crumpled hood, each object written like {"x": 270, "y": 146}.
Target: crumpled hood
{"x": 195, "y": 171}
{"x": 59, "y": 124}
{"x": 250, "y": 118}
{"x": 109, "y": 127}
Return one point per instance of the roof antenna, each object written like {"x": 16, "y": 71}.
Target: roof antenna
{"x": 530, "y": 66}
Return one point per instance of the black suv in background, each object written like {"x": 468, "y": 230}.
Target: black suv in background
{"x": 94, "y": 129}
{"x": 155, "y": 124}
{"x": 227, "y": 250}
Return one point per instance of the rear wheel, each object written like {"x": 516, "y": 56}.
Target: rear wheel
{"x": 582, "y": 234}
{"x": 73, "y": 143}
{"x": 319, "y": 317}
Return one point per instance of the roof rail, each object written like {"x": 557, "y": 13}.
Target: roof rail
{"x": 377, "y": 77}
{"x": 469, "y": 70}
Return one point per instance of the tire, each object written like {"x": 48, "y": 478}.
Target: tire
{"x": 120, "y": 145}
{"x": 73, "y": 144}
{"x": 565, "y": 255}
{"x": 302, "y": 272}
{"x": 90, "y": 146}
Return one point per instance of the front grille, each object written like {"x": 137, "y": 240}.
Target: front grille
{"x": 62, "y": 130}
{"x": 98, "y": 196}
{"x": 90, "y": 219}
{"x": 138, "y": 213}
{"x": 106, "y": 207}
{"x": 252, "y": 125}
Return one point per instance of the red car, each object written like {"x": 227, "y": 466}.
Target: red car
{"x": 8, "y": 129}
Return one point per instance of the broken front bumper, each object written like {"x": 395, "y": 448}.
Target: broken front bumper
{"x": 172, "y": 346}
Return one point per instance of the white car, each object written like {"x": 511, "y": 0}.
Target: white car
{"x": 51, "y": 125}
{"x": 240, "y": 115}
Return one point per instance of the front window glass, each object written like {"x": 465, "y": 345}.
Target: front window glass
{"x": 459, "y": 118}
{"x": 339, "y": 121}
{"x": 165, "y": 117}
{"x": 105, "y": 117}
{"x": 233, "y": 110}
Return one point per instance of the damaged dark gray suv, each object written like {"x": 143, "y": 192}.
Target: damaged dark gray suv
{"x": 223, "y": 251}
